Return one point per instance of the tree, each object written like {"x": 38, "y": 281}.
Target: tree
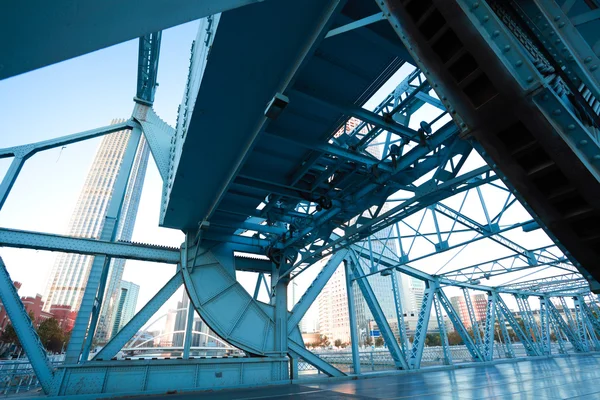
{"x": 51, "y": 335}
{"x": 338, "y": 343}
{"x": 454, "y": 338}
{"x": 10, "y": 335}
{"x": 378, "y": 341}
{"x": 323, "y": 341}
{"x": 433, "y": 339}
{"x": 368, "y": 341}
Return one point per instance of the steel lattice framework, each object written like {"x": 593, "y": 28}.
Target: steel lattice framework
{"x": 490, "y": 138}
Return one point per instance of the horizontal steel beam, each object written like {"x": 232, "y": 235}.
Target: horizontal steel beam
{"x": 68, "y": 244}
{"x": 43, "y": 33}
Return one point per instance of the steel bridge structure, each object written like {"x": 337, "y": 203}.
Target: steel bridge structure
{"x": 491, "y": 138}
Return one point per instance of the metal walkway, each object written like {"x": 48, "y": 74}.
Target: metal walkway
{"x": 557, "y": 378}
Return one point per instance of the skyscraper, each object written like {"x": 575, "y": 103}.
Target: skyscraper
{"x": 125, "y": 309}
{"x": 70, "y": 271}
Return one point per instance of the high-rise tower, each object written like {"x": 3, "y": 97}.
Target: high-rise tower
{"x": 70, "y": 271}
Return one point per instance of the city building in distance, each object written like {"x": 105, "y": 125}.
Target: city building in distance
{"x": 70, "y": 271}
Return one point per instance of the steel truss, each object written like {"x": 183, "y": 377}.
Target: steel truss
{"x": 385, "y": 198}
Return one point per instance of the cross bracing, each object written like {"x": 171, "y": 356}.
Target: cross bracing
{"x": 477, "y": 170}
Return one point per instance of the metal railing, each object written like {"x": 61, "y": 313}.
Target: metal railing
{"x": 372, "y": 360}
{"x": 17, "y": 376}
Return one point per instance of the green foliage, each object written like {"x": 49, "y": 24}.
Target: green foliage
{"x": 337, "y": 343}
{"x": 51, "y": 335}
{"x": 378, "y": 341}
{"x": 433, "y": 339}
{"x": 368, "y": 341}
{"x": 323, "y": 341}
{"x": 454, "y": 338}
{"x": 9, "y": 335}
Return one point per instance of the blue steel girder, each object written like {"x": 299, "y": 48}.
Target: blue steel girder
{"x": 524, "y": 338}
{"x": 26, "y": 333}
{"x": 570, "y": 331}
{"x": 399, "y": 357}
{"x": 442, "y": 331}
{"x": 118, "y": 341}
{"x": 509, "y": 351}
{"x": 416, "y": 353}
{"x": 473, "y": 349}
{"x": 512, "y": 263}
{"x": 46, "y": 33}
{"x": 67, "y": 244}
{"x": 474, "y": 322}
{"x": 490, "y": 327}
{"x": 148, "y": 55}
{"x": 511, "y": 121}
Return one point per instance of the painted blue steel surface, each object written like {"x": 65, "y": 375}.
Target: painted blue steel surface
{"x": 43, "y": 33}
{"x": 227, "y": 155}
{"x": 552, "y": 379}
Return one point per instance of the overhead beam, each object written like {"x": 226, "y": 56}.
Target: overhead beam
{"x": 37, "y": 33}
{"x": 356, "y": 24}
{"x": 67, "y": 244}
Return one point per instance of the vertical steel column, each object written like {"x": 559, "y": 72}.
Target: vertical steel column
{"x": 30, "y": 341}
{"x": 510, "y": 353}
{"x": 581, "y": 331}
{"x": 94, "y": 290}
{"x": 545, "y": 327}
{"x": 189, "y": 328}
{"x": 490, "y": 322}
{"x": 279, "y": 296}
{"x": 473, "y": 318}
{"x": 416, "y": 353}
{"x": 352, "y": 316}
{"x": 442, "y": 329}
{"x": 555, "y": 327}
{"x": 399, "y": 312}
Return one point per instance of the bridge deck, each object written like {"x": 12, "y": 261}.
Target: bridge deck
{"x": 572, "y": 377}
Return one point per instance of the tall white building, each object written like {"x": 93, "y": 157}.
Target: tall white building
{"x": 125, "y": 309}
{"x": 70, "y": 271}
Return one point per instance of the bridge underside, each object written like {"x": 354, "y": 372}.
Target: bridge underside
{"x": 488, "y": 131}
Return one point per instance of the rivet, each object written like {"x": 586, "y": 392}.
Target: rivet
{"x": 597, "y": 157}
{"x": 594, "y": 67}
{"x": 463, "y": 125}
{"x": 506, "y": 48}
{"x": 587, "y": 60}
{"x": 546, "y": 97}
{"x": 496, "y": 33}
{"x": 519, "y": 63}
{"x": 444, "y": 98}
{"x": 475, "y": 5}
{"x": 530, "y": 79}
{"x": 583, "y": 142}
{"x": 557, "y": 41}
{"x": 486, "y": 18}
{"x": 571, "y": 127}
{"x": 557, "y": 18}
{"x": 561, "y": 24}
{"x": 556, "y": 112}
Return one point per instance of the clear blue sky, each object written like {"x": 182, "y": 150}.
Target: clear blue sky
{"x": 79, "y": 94}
